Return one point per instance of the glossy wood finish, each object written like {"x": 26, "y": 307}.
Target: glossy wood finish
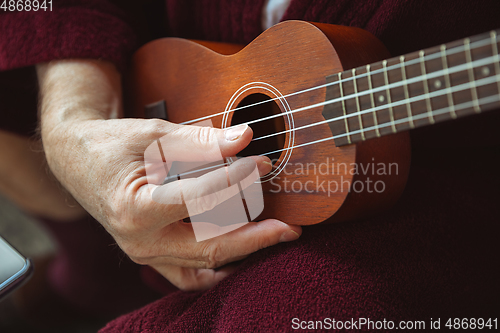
{"x": 197, "y": 81}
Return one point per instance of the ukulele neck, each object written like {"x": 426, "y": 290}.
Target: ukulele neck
{"x": 418, "y": 89}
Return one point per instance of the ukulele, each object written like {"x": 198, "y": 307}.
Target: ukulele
{"x": 335, "y": 128}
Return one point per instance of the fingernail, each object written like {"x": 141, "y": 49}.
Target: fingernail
{"x": 289, "y": 236}
{"x": 265, "y": 167}
{"x": 234, "y": 133}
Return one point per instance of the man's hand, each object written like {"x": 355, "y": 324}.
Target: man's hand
{"x": 101, "y": 162}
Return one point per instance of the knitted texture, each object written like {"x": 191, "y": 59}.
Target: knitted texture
{"x": 433, "y": 255}
{"x": 232, "y": 21}
{"x": 74, "y": 29}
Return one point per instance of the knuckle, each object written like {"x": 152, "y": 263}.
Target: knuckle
{"x": 155, "y": 126}
{"x": 206, "y": 139}
{"x": 149, "y": 129}
{"x": 205, "y": 135}
{"x": 212, "y": 255}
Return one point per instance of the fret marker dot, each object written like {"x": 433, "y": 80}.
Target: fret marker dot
{"x": 381, "y": 98}
{"x": 437, "y": 84}
{"x": 485, "y": 71}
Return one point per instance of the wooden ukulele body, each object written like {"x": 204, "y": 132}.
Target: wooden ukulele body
{"x": 197, "y": 79}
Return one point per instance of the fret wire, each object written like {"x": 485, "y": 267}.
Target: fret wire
{"x": 389, "y": 101}
{"x": 493, "y": 35}
{"x": 426, "y": 87}
{"x": 407, "y": 94}
{"x": 431, "y": 75}
{"x": 375, "y": 121}
{"x": 465, "y": 105}
{"x": 343, "y": 108}
{"x": 437, "y": 93}
{"x": 357, "y": 104}
{"x": 447, "y": 81}
{"x": 468, "y": 58}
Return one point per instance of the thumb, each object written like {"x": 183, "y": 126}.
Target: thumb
{"x": 195, "y": 143}
{"x": 191, "y": 147}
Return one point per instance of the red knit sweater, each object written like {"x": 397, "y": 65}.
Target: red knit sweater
{"x": 433, "y": 255}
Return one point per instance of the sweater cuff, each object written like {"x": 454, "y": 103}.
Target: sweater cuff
{"x": 29, "y": 38}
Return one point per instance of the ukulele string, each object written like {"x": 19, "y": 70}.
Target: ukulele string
{"x": 438, "y": 93}
{"x": 465, "y": 105}
{"x": 453, "y": 50}
{"x": 402, "y": 83}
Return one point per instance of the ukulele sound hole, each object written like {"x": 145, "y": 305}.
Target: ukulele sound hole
{"x": 261, "y": 128}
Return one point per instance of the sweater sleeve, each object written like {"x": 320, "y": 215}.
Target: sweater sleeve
{"x": 72, "y": 29}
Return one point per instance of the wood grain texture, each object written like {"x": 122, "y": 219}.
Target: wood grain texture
{"x": 198, "y": 80}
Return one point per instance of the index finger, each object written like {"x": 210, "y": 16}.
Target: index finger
{"x": 194, "y": 196}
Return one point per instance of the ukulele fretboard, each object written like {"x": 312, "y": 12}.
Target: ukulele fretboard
{"x": 421, "y": 88}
